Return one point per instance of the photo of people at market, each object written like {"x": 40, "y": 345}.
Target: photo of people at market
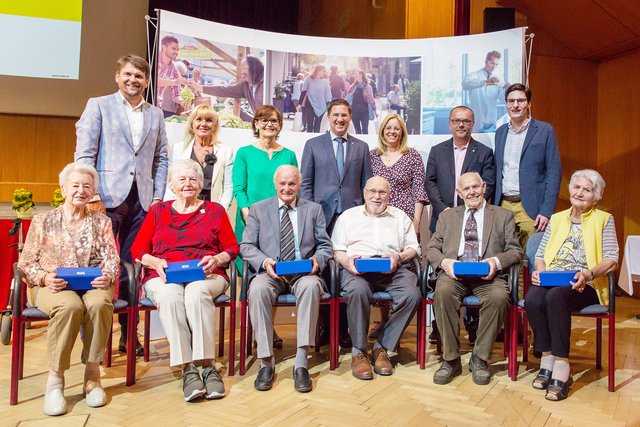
{"x": 301, "y": 85}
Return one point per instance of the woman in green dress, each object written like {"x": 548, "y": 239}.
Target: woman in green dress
{"x": 256, "y": 164}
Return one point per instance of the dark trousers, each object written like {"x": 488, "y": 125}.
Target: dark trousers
{"x": 358, "y": 294}
{"x": 126, "y": 220}
{"x": 313, "y": 121}
{"x": 549, "y": 312}
{"x": 361, "y": 121}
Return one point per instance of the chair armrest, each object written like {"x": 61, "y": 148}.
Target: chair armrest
{"x": 611, "y": 277}
{"x": 245, "y": 281}
{"x": 419, "y": 272}
{"x": 513, "y": 282}
{"x": 134, "y": 286}
{"x": 334, "y": 276}
{"x": 19, "y": 291}
{"x": 233, "y": 278}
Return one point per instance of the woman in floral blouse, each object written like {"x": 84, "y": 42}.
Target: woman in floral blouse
{"x": 73, "y": 236}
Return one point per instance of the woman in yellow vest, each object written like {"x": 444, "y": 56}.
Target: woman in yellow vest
{"x": 581, "y": 238}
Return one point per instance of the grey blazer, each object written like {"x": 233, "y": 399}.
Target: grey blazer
{"x": 261, "y": 238}
{"x": 320, "y": 180}
{"x": 440, "y": 177}
{"x": 103, "y": 140}
{"x": 499, "y": 237}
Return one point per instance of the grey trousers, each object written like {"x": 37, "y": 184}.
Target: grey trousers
{"x": 358, "y": 294}
{"x": 494, "y": 297}
{"x": 262, "y": 294}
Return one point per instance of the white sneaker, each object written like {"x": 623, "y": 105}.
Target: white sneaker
{"x": 96, "y": 397}
{"x": 55, "y": 403}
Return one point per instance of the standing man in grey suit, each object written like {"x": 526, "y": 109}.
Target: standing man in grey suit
{"x": 124, "y": 138}
{"x": 472, "y": 232}
{"x": 528, "y": 167}
{"x": 447, "y": 161}
{"x": 335, "y": 165}
{"x": 376, "y": 230}
{"x": 285, "y": 228}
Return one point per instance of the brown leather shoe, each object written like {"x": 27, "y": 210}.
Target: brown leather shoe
{"x": 381, "y": 363}
{"x": 361, "y": 367}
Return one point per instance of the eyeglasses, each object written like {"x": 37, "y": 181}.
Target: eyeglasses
{"x": 512, "y": 101}
{"x": 381, "y": 193}
{"x": 274, "y": 122}
{"x": 457, "y": 122}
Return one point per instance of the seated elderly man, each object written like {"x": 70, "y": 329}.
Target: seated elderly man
{"x": 376, "y": 229}
{"x": 285, "y": 228}
{"x": 473, "y": 232}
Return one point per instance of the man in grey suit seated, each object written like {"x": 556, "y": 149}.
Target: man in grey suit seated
{"x": 473, "y": 232}
{"x": 376, "y": 230}
{"x": 285, "y": 228}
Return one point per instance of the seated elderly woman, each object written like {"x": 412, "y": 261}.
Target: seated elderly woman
{"x": 187, "y": 228}
{"x": 580, "y": 238}
{"x": 73, "y": 236}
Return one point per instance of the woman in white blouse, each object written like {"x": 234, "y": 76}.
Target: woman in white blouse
{"x": 202, "y": 145}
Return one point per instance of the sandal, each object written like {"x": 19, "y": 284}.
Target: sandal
{"x": 558, "y": 390}
{"x": 541, "y": 381}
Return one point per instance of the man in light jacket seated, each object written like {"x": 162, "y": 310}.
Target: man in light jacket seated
{"x": 376, "y": 229}
{"x": 285, "y": 228}
{"x": 474, "y": 232}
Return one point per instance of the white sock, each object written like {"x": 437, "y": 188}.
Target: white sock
{"x": 55, "y": 381}
{"x": 546, "y": 362}
{"x": 561, "y": 370}
{"x": 91, "y": 376}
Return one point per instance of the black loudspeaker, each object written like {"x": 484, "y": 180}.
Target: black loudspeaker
{"x": 499, "y": 18}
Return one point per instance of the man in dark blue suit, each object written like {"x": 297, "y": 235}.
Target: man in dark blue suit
{"x": 450, "y": 159}
{"x": 447, "y": 161}
{"x": 335, "y": 166}
{"x": 528, "y": 168}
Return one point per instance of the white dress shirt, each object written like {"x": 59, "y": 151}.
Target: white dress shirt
{"x": 136, "y": 120}
{"x": 479, "y": 217}
{"x": 293, "y": 216}
{"x": 512, "y": 153}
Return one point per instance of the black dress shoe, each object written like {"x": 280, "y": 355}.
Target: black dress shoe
{"x": 122, "y": 346}
{"x": 264, "y": 379}
{"x": 301, "y": 380}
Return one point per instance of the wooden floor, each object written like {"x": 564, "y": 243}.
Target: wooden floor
{"x": 409, "y": 397}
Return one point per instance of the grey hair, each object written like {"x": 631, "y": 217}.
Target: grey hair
{"x": 476, "y": 174}
{"x": 79, "y": 168}
{"x": 185, "y": 164}
{"x": 592, "y": 176}
{"x": 283, "y": 168}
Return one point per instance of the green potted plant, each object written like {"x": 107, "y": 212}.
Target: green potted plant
{"x": 279, "y": 94}
{"x": 57, "y": 198}
{"x": 22, "y": 203}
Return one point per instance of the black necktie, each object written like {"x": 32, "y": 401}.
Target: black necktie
{"x": 471, "y": 244}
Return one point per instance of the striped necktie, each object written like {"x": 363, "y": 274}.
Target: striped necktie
{"x": 287, "y": 242}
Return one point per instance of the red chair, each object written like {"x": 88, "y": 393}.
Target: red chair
{"x": 222, "y": 302}
{"x": 379, "y": 298}
{"x": 23, "y": 313}
{"x": 469, "y": 301}
{"x": 597, "y": 311}
{"x": 284, "y": 300}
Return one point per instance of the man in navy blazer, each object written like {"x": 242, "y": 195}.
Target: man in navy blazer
{"x": 263, "y": 244}
{"x": 450, "y": 159}
{"x": 322, "y": 181}
{"x": 528, "y": 167}
{"x": 124, "y": 138}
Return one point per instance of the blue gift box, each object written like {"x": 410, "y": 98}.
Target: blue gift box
{"x": 475, "y": 269}
{"x": 373, "y": 265}
{"x": 78, "y": 279}
{"x": 557, "y": 278}
{"x": 302, "y": 266}
{"x": 184, "y": 271}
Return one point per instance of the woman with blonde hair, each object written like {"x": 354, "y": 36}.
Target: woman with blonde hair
{"x": 216, "y": 159}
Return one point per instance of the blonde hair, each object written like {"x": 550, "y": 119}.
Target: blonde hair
{"x": 202, "y": 111}
{"x": 382, "y": 148}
